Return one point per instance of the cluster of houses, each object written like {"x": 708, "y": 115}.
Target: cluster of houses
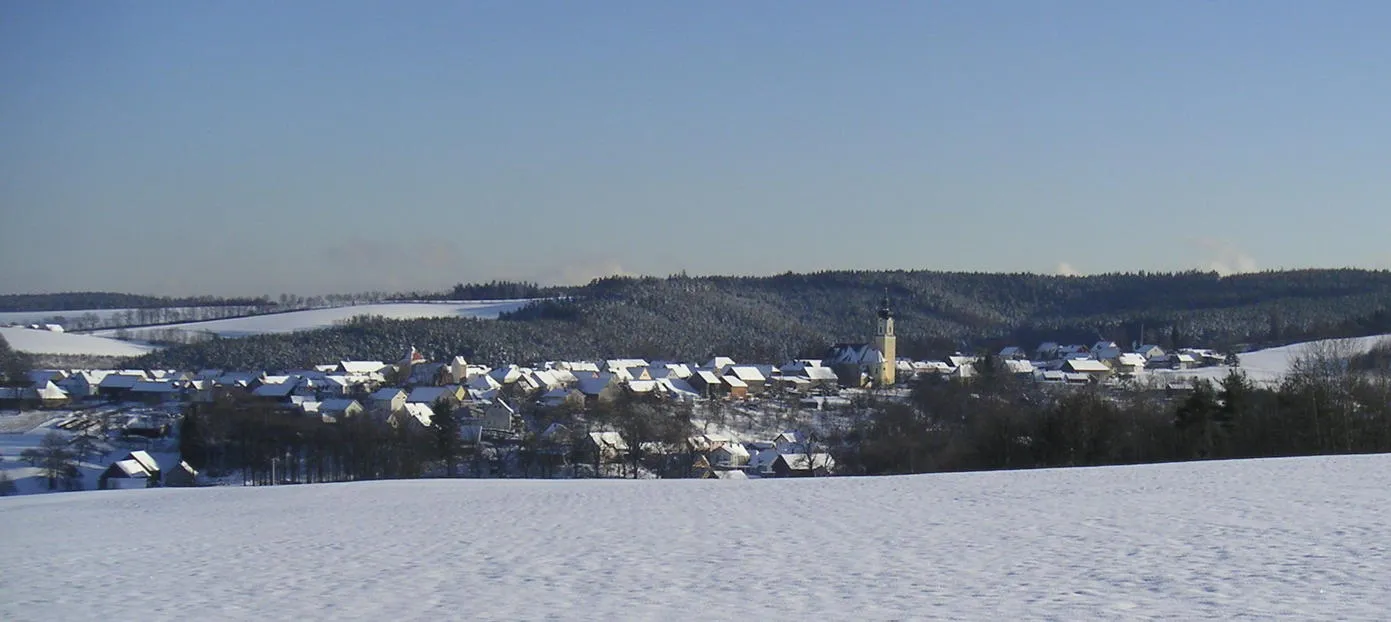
{"x": 139, "y": 469}
{"x": 486, "y": 398}
{"x": 1103, "y": 361}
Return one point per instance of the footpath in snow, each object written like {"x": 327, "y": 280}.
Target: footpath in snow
{"x": 1291, "y": 539}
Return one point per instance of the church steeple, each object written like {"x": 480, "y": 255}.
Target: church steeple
{"x": 885, "y": 342}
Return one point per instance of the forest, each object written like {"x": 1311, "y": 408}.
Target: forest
{"x": 800, "y": 315}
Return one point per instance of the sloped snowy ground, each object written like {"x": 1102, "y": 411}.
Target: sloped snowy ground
{"x": 1271, "y": 365}
{"x": 310, "y": 319}
{"x": 45, "y": 342}
{"x": 1272, "y": 539}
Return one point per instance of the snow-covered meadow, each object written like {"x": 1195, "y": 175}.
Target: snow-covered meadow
{"x": 1271, "y": 365}
{"x": 46, "y": 342}
{"x": 310, "y": 319}
{"x": 1304, "y": 539}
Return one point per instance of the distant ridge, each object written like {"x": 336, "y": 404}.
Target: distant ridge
{"x": 778, "y": 317}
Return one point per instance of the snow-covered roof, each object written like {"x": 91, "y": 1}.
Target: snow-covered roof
{"x": 145, "y": 459}
{"x": 747, "y": 373}
{"x": 131, "y": 468}
{"x": 337, "y": 405}
{"x": 1086, "y": 366}
{"x": 386, "y": 394}
{"x": 361, "y": 367}
{"x": 429, "y": 395}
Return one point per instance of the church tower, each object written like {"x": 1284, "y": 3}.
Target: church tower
{"x": 885, "y": 342}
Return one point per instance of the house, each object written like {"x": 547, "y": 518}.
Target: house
{"x": 83, "y": 384}
{"x": 599, "y": 387}
{"x": 412, "y": 414}
{"x": 1091, "y": 367}
{"x": 386, "y": 400}
{"x": 361, "y": 368}
{"x": 1105, "y": 350}
{"x": 137, "y": 469}
{"x": 560, "y": 396}
{"x": 117, "y": 386}
{"x": 452, "y": 394}
{"x": 124, "y": 474}
{"x": 339, "y": 409}
{"x": 155, "y": 391}
{"x": 276, "y": 392}
{"x": 1014, "y": 353}
{"x": 1129, "y": 363}
{"x": 1150, "y": 351}
{"x": 604, "y": 447}
{"x": 499, "y": 417}
{"x": 180, "y": 475}
{"x": 720, "y": 451}
{"x": 506, "y": 375}
{"x": 803, "y": 465}
{"x": 707, "y": 382}
{"x": 737, "y": 388}
{"x": 751, "y": 376}
{"x": 49, "y": 395}
{"x": 1019, "y": 367}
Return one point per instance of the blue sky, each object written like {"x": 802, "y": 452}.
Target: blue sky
{"x": 320, "y": 146}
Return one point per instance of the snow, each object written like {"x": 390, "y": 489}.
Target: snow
{"x": 1300, "y": 538}
{"x": 310, "y": 319}
{"x": 1271, "y": 365}
{"x": 46, "y": 342}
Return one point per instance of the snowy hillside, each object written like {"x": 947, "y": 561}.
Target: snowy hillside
{"x": 1272, "y": 364}
{"x": 1272, "y": 539}
{"x": 45, "y": 342}
{"x": 323, "y": 318}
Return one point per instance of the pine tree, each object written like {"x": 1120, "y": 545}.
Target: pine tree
{"x": 448, "y": 447}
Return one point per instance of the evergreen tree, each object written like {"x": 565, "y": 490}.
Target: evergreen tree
{"x": 448, "y": 446}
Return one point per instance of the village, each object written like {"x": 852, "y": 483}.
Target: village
{"x": 740, "y": 419}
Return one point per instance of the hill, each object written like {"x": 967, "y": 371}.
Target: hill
{"x": 780, "y": 317}
{"x": 311, "y": 319}
{"x": 45, "y": 342}
{"x": 1264, "y": 539}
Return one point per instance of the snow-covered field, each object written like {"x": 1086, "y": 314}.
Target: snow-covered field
{"x": 323, "y": 318}
{"x": 1273, "y": 364}
{"x": 45, "y": 342}
{"x": 1295, "y": 539}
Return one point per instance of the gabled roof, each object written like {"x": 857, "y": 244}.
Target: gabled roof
{"x": 130, "y": 468}
{"x": 120, "y": 381}
{"x": 145, "y": 459}
{"x": 802, "y": 462}
{"x": 609, "y": 439}
{"x": 720, "y": 362}
{"x": 420, "y": 412}
{"x": 707, "y": 376}
{"x": 386, "y": 394}
{"x": 1085, "y": 366}
{"x": 747, "y": 373}
{"x": 430, "y": 395}
{"x": 50, "y": 391}
{"x": 150, "y": 386}
{"x": 734, "y": 381}
{"x": 275, "y": 390}
{"x": 361, "y": 367}
{"x": 820, "y": 373}
{"x": 337, "y": 405}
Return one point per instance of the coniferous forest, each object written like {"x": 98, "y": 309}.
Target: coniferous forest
{"x": 798, "y": 315}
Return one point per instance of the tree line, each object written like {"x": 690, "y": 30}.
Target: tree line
{"x": 799, "y": 315}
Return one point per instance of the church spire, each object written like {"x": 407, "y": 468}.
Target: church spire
{"x": 884, "y": 311}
